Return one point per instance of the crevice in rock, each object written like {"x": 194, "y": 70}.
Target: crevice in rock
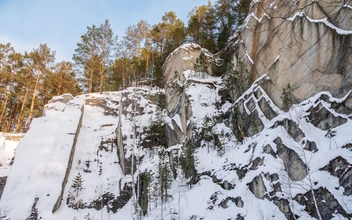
{"x": 69, "y": 166}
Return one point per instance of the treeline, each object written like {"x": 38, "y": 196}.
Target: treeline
{"x": 102, "y": 62}
{"x": 107, "y": 63}
{"x": 27, "y": 82}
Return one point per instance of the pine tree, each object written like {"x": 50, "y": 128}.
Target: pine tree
{"x": 164, "y": 177}
{"x": 144, "y": 194}
{"x": 188, "y": 161}
{"x": 237, "y": 124}
{"x": 227, "y": 20}
{"x": 93, "y": 54}
{"x": 77, "y": 183}
{"x": 201, "y": 66}
{"x": 287, "y": 97}
{"x": 39, "y": 61}
{"x": 202, "y": 25}
{"x": 156, "y": 130}
{"x": 207, "y": 130}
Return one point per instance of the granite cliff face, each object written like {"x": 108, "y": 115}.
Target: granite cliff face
{"x": 304, "y": 43}
{"x": 246, "y": 157}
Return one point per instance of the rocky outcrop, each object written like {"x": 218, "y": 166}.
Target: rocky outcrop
{"x": 238, "y": 202}
{"x": 295, "y": 167}
{"x": 183, "y": 58}
{"x": 110, "y": 201}
{"x": 257, "y": 187}
{"x": 2, "y": 184}
{"x": 69, "y": 165}
{"x": 306, "y": 44}
{"x": 324, "y": 119}
{"x": 292, "y": 128}
{"x": 326, "y": 203}
{"x": 340, "y": 168}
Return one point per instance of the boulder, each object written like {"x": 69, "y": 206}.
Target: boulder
{"x": 257, "y": 187}
{"x": 295, "y": 167}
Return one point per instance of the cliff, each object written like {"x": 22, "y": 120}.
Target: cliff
{"x": 189, "y": 151}
{"x": 304, "y": 43}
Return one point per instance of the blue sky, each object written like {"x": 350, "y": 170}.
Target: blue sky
{"x": 60, "y": 23}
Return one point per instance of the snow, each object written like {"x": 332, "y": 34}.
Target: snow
{"x": 8, "y": 143}
{"x": 177, "y": 120}
{"x": 347, "y": 6}
{"x": 248, "y": 57}
{"x": 42, "y": 156}
{"x": 186, "y": 47}
{"x": 324, "y": 21}
{"x": 252, "y": 15}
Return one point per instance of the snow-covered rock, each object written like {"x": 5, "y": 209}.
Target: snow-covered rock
{"x": 8, "y": 143}
{"x": 304, "y": 43}
{"x": 251, "y": 159}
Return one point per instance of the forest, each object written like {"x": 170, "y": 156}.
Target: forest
{"x": 103, "y": 61}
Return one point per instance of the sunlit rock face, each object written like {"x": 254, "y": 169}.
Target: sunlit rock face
{"x": 307, "y": 44}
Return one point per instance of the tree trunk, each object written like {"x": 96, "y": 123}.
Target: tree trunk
{"x": 102, "y": 77}
{"x": 32, "y": 104}
{"x": 90, "y": 89}
{"x": 60, "y": 84}
{"x": 139, "y": 53}
{"x": 6, "y": 100}
{"x": 3, "y": 110}
{"x": 123, "y": 74}
{"x": 10, "y": 120}
{"x": 147, "y": 63}
{"x": 18, "y": 127}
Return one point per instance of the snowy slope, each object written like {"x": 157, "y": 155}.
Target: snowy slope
{"x": 8, "y": 143}
{"x": 253, "y": 179}
{"x": 40, "y": 162}
{"x": 78, "y": 135}
{"x": 249, "y": 178}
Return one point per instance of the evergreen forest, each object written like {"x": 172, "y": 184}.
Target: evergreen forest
{"x": 103, "y": 61}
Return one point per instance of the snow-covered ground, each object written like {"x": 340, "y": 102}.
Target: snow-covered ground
{"x": 8, "y": 143}
{"x": 84, "y": 127}
{"x": 90, "y": 123}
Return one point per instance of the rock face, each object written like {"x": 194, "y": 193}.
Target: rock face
{"x": 257, "y": 187}
{"x": 341, "y": 169}
{"x": 326, "y": 202}
{"x": 183, "y": 58}
{"x": 2, "y": 184}
{"x": 79, "y": 135}
{"x": 267, "y": 172}
{"x": 295, "y": 167}
{"x": 306, "y": 43}
{"x": 238, "y": 159}
{"x": 8, "y": 144}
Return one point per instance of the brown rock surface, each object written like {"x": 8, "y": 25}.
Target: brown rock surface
{"x": 307, "y": 45}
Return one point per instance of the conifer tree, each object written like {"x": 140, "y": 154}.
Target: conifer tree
{"x": 93, "y": 54}
{"x": 237, "y": 123}
{"x": 144, "y": 194}
{"x": 77, "y": 183}
{"x": 164, "y": 177}
{"x": 201, "y": 65}
{"x": 202, "y": 25}
{"x": 207, "y": 130}
{"x": 227, "y": 20}
{"x": 287, "y": 97}
{"x": 188, "y": 161}
{"x": 39, "y": 61}
{"x": 155, "y": 132}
